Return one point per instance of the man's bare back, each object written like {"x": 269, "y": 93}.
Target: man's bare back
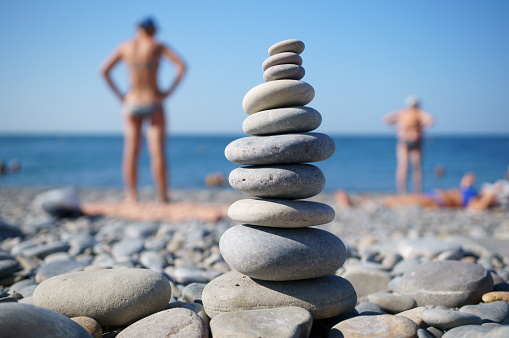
{"x": 410, "y": 123}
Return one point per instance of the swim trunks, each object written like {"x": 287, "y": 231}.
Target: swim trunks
{"x": 467, "y": 193}
{"x": 435, "y": 197}
{"x": 142, "y": 109}
{"x": 412, "y": 145}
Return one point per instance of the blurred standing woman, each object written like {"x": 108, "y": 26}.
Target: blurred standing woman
{"x": 144, "y": 102}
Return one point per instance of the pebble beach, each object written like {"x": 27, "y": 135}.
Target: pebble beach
{"x": 174, "y": 261}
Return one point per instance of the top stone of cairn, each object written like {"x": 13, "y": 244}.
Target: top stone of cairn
{"x": 291, "y": 45}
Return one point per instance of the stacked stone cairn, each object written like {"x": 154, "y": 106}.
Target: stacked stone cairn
{"x": 278, "y": 259}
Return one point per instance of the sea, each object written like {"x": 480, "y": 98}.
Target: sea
{"x": 360, "y": 164}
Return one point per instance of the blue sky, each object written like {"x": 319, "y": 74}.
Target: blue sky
{"x": 362, "y": 58}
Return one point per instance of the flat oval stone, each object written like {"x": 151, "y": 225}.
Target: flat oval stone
{"x": 179, "y": 322}
{"x": 24, "y": 320}
{"x": 282, "y": 59}
{"x": 392, "y": 303}
{"x": 375, "y": 326}
{"x": 115, "y": 297}
{"x": 492, "y": 296}
{"x": 291, "y": 45}
{"x": 287, "y": 181}
{"x": 280, "y": 149}
{"x": 277, "y": 94}
{"x": 280, "y": 213}
{"x": 277, "y": 254}
{"x": 323, "y": 297}
{"x": 497, "y": 312}
{"x": 447, "y": 283}
{"x": 448, "y": 319}
{"x": 284, "y": 72}
{"x": 474, "y": 331}
{"x": 282, "y": 120}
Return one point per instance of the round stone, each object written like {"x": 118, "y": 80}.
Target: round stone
{"x": 280, "y": 149}
{"x": 282, "y": 59}
{"x": 179, "y": 322}
{"x": 447, "y": 319}
{"x": 284, "y": 72}
{"x": 113, "y": 297}
{"x": 392, "y": 303}
{"x": 323, "y": 297}
{"x": 291, "y": 45}
{"x": 24, "y": 320}
{"x": 287, "y": 181}
{"x": 280, "y": 213}
{"x": 375, "y": 326}
{"x": 277, "y": 254}
{"x": 282, "y": 120}
{"x": 89, "y": 324}
{"x": 447, "y": 283}
{"x": 277, "y": 94}
{"x": 497, "y": 312}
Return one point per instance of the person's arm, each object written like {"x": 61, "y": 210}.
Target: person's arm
{"x": 391, "y": 118}
{"x": 426, "y": 120}
{"x": 106, "y": 69}
{"x": 180, "y": 68}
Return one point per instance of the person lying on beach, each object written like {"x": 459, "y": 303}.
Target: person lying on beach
{"x": 466, "y": 196}
{"x": 144, "y": 102}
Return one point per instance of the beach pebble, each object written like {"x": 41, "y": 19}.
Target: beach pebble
{"x": 468, "y": 331}
{"x": 290, "y": 45}
{"x": 25, "y": 287}
{"x": 179, "y": 322}
{"x": 366, "y": 281}
{"x": 110, "y": 296}
{"x": 9, "y": 231}
{"x": 141, "y": 230}
{"x": 497, "y": 312}
{"x": 324, "y": 297}
{"x": 501, "y": 287}
{"x": 276, "y": 254}
{"x": 44, "y": 250}
{"x": 392, "y": 303}
{"x": 277, "y": 94}
{"x": 184, "y": 275}
{"x": 281, "y": 59}
{"x": 404, "y": 265}
{"x": 62, "y": 202}
{"x": 498, "y": 332}
{"x": 285, "y": 71}
{"x": 370, "y": 307}
{"x": 448, "y": 319}
{"x": 89, "y": 324}
{"x": 280, "y": 213}
{"x": 447, "y": 283}
{"x": 282, "y": 120}
{"x": 424, "y": 247}
{"x": 193, "y": 292}
{"x": 280, "y": 149}
{"x": 287, "y": 321}
{"x": 127, "y": 247}
{"x": 8, "y": 267}
{"x": 56, "y": 268}
{"x": 415, "y": 315}
{"x": 495, "y": 296}
{"x": 24, "y": 320}
{"x": 286, "y": 181}
{"x": 153, "y": 260}
{"x": 375, "y": 326}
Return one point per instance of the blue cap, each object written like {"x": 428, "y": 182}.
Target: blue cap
{"x": 147, "y": 23}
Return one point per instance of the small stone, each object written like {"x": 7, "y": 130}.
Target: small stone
{"x": 324, "y": 297}
{"x": 8, "y": 267}
{"x": 193, "y": 292}
{"x": 287, "y": 321}
{"x": 446, "y": 283}
{"x": 425, "y": 247}
{"x": 9, "y": 231}
{"x": 496, "y": 296}
{"x": 280, "y": 213}
{"x": 282, "y": 59}
{"x": 404, "y": 265}
{"x": 44, "y": 250}
{"x": 184, "y": 275}
{"x": 89, "y": 324}
{"x": 367, "y": 281}
{"x": 498, "y": 332}
{"x": 415, "y": 315}
{"x": 277, "y": 254}
{"x": 280, "y": 149}
{"x": 392, "y": 303}
{"x": 282, "y": 120}
{"x": 470, "y": 331}
{"x": 421, "y": 333}
{"x": 375, "y": 326}
{"x": 24, "y": 320}
{"x": 291, "y": 45}
{"x": 153, "y": 260}
{"x": 63, "y": 202}
{"x": 113, "y": 297}
{"x": 284, "y": 72}
{"x": 56, "y": 268}
{"x": 448, "y": 319}
{"x": 497, "y": 312}
{"x": 369, "y": 307}
{"x": 277, "y": 94}
{"x": 179, "y": 322}
{"x": 127, "y": 247}
{"x": 287, "y": 181}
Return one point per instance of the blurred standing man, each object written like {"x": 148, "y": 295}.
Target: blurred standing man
{"x": 410, "y": 123}
{"x": 144, "y": 102}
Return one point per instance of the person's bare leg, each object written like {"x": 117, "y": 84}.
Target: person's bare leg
{"x": 411, "y": 199}
{"x": 132, "y": 140}
{"x": 342, "y": 200}
{"x": 401, "y": 168}
{"x": 156, "y": 137}
{"x": 415, "y": 159}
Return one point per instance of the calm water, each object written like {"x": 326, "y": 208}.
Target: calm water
{"x": 359, "y": 164}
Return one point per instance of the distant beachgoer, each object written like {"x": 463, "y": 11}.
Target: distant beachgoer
{"x": 14, "y": 165}
{"x": 466, "y": 196}
{"x": 410, "y": 123}
{"x": 144, "y": 102}
{"x": 3, "y": 168}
